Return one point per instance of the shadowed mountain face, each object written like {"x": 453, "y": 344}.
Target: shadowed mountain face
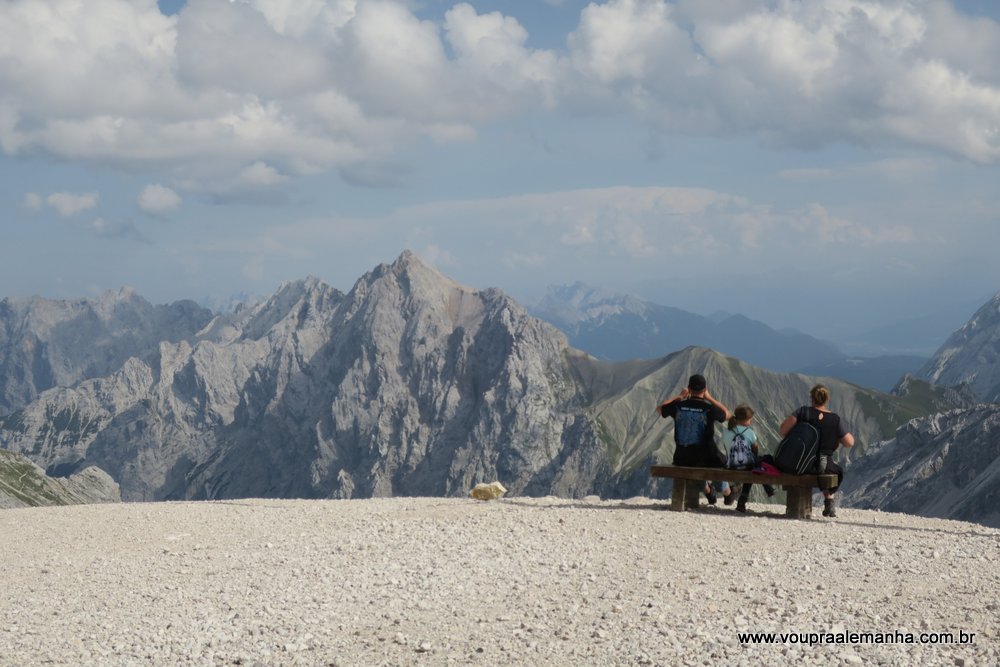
{"x": 971, "y": 355}
{"x": 946, "y": 465}
{"x": 410, "y": 384}
{"x": 45, "y": 344}
{"x": 618, "y": 327}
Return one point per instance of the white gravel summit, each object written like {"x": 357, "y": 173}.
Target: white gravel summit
{"x": 519, "y": 581}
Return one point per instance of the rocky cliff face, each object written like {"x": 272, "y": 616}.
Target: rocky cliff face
{"x": 23, "y": 484}
{"x": 971, "y": 355}
{"x": 45, "y": 343}
{"x": 946, "y": 465}
{"x": 410, "y": 384}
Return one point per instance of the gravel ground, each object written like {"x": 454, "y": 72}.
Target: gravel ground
{"x": 430, "y": 581}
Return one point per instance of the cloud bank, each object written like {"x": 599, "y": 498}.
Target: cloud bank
{"x": 263, "y": 90}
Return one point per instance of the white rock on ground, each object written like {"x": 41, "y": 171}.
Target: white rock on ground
{"x": 519, "y": 581}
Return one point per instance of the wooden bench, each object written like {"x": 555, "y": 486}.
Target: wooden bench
{"x": 798, "y": 488}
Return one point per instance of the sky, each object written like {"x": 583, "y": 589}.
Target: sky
{"x": 830, "y": 165}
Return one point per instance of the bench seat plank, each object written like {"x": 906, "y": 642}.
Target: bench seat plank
{"x": 798, "y": 488}
{"x": 719, "y": 474}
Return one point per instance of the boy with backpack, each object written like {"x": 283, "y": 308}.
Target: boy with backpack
{"x": 744, "y": 453}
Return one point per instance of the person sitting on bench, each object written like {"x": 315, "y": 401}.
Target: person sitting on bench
{"x": 833, "y": 432}
{"x": 695, "y": 412}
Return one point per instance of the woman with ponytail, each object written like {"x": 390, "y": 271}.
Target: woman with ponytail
{"x": 833, "y": 432}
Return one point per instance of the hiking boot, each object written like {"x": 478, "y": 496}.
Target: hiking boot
{"x": 710, "y": 494}
{"x": 741, "y": 506}
{"x": 829, "y": 507}
{"x": 728, "y": 500}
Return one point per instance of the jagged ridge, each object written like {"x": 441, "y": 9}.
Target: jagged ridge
{"x": 945, "y": 465}
{"x": 410, "y": 384}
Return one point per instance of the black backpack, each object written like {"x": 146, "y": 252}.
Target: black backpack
{"x": 798, "y": 451}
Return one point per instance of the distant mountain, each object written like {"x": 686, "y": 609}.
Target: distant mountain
{"x": 882, "y": 373}
{"x": 410, "y": 384}
{"x": 946, "y": 465}
{"x": 23, "y": 484}
{"x": 971, "y": 355}
{"x": 618, "y": 327}
{"x": 916, "y": 336}
{"x": 230, "y": 303}
{"x": 46, "y": 343}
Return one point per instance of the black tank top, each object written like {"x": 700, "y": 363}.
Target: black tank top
{"x": 827, "y": 423}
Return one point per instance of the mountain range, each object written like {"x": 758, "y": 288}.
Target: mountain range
{"x": 47, "y": 343}
{"x": 618, "y": 327}
{"x": 409, "y": 384}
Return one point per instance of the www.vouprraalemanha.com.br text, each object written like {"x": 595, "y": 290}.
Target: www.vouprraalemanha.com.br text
{"x": 813, "y": 638}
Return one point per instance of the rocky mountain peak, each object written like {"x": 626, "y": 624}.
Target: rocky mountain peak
{"x": 971, "y": 355}
{"x": 297, "y": 303}
{"x": 409, "y": 294}
{"x": 411, "y": 273}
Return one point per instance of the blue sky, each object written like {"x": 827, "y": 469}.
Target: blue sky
{"x": 826, "y": 165}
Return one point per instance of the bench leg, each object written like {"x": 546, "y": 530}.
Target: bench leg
{"x": 799, "y": 502}
{"x": 686, "y": 494}
{"x": 677, "y": 496}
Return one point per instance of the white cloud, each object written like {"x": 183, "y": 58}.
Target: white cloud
{"x": 261, "y": 174}
{"x": 157, "y": 199}
{"x": 68, "y": 204}
{"x": 494, "y": 66}
{"x": 833, "y": 230}
{"x": 625, "y": 42}
{"x": 337, "y": 84}
{"x": 803, "y": 74}
{"x": 623, "y": 229}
